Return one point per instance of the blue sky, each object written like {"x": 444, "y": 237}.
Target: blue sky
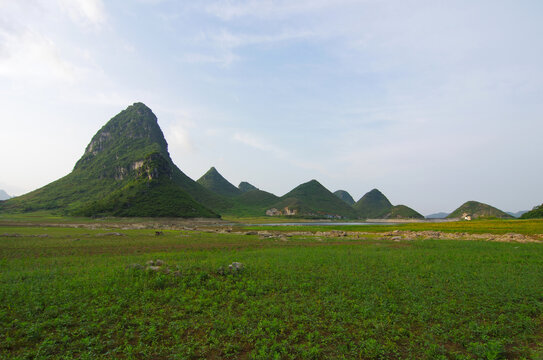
{"x": 432, "y": 102}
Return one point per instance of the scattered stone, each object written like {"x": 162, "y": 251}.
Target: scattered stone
{"x": 153, "y": 268}
{"x": 111, "y": 234}
{"x": 235, "y": 266}
{"x": 396, "y": 238}
{"x": 251, "y": 233}
{"x": 159, "y": 262}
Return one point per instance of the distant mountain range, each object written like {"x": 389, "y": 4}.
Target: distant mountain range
{"x": 4, "y": 195}
{"x": 126, "y": 170}
{"x": 517, "y": 214}
{"x": 439, "y": 215}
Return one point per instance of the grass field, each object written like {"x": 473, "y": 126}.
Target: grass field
{"x": 72, "y": 293}
{"x": 534, "y": 226}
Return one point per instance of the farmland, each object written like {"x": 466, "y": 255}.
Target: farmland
{"x": 85, "y": 292}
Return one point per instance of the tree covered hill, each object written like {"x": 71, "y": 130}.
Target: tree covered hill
{"x": 313, "y": 199}
{"x": 478, "y": 210}
{"x": 535, "y": 213}
{"x": 214, "y": 181}
{"x": 373, "y": 205}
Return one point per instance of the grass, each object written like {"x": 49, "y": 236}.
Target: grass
{"x": 67, "y": 293}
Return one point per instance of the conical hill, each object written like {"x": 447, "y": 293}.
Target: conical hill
{"x": 373, "y": 205}
{"x": 214, "y": 181}
{"x": 478, "y": 210}
{"x": 345, "y": 196}
{"x": 126, "y": 162}
{"x": 244, "y": 186}
{"x": 311, "y": 199}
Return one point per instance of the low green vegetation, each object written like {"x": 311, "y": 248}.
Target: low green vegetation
{"x": 87, "y": 293}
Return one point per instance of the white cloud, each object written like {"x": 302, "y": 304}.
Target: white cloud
{"x": 231, "y": 10}
{"x": 88, "y": 12}
{"x": 224, "y": 59}
{"x": 32, "y": 56}
{"x": 258, "y": 143}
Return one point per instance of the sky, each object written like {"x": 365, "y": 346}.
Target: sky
{"x": 432, "y": 102}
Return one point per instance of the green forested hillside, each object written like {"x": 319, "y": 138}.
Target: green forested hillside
{"x": 215, "y": 182}
{"x": 313, "y": 199}
{"x": 478, "y": 210}
{"x": 535, "y": 213}
{"x": 373, "y": 205}
{"x": 403, "y": 212}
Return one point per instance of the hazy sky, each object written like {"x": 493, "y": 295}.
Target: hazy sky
{"x": 432, "y": 102}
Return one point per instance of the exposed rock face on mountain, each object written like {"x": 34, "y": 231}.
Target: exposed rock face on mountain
{"x": 244, "y": 186}
{"x": 476, "y": 210}
{"x": 215, "y": 182}
{"x": 535, "y": 213}
{"x": 124, "y": 169}
{"x": 373, "y": 205}
{"x": 4, "y": 195}
{"x": 345, "y": 196}
{"x": 311, "y": 199}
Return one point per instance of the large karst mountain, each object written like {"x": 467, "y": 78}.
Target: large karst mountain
{"x": 126, "y": 170}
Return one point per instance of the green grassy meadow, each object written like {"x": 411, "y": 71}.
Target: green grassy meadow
{"x": 70, "y": 293}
